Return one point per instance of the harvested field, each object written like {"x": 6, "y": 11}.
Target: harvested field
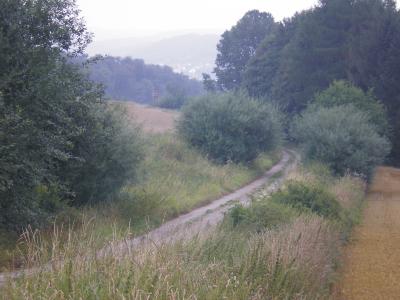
{"x": 372, "y": 269}
{"x": 152, "y": 119}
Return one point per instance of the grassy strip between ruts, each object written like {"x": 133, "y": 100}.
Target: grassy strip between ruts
{"x": 173, "y": 179}
{"x": 276, "y": 249}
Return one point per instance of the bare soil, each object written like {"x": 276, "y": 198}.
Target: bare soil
{"x": 372, "y": 269}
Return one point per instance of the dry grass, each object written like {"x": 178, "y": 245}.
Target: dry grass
{"x": 173, "y": 179}
{"x": 296, "y": 260}
{"x": 292, "y": 262}
{"x": 371, "y": 270}
{"x": 152, "y": 119}
{"x": 349, "y": 190}
{"x": 386, "y": 182}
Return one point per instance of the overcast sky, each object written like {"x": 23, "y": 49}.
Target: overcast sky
{"x": 127, "y": 18}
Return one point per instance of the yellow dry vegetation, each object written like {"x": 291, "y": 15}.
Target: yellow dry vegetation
{"x": 152, "y": 119}
{"x": 372, "y": 269}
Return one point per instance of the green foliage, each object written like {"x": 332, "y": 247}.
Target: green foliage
{"x": 261, "y": 215}
{"x": 109, "y": 153}
{"x": 209, "y": 84}
{"x": 309, "y": 197}
{"x": 175, "y": 178}
{"x": 174, "y": 99}
{"x": 343, "y": 93}
{"x": 238, "y": 45}
{"x": 230, "y": 127}
{"x": 341, "y": 137}
{"x": 56, "y": 134}
{"x": 41, "y": 98}
{"x": 357, "y": 41}
{"x": 261, "y": 70}
{"x": 132, "y": 79}
{"x": 304, "y": 56}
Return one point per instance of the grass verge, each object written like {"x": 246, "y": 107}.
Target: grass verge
{"x": 274, "y": 249}
{"x": 173, "y": 179}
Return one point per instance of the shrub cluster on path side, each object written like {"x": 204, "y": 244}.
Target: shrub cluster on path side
{"x": 231, "y": 127}
{"x": 344, "y": 128}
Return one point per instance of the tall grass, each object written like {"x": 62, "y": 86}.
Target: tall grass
{"x": 173, "y": 179}
{"x": 290, "y": 262}
{"x": 292, "y": 256}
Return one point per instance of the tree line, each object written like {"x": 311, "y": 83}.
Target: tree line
{"x": 133, "y": 80}
{"x": 289, "y": 62}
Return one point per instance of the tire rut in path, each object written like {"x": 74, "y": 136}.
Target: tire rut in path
{"x": 372, "y": 261}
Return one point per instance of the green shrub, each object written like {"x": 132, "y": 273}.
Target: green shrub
{"x": 310, "y": 197}
{"x": 110, "y": 151}
{"x": 343, "y": 93}
{"x": 261, "y": 214}
{"x": 341, "y": 137}
{"x": 175, "y": 98}
{"x": 230, "y": 127}
{"x": 60, "y": 143}
{"x": 172, "y": 102}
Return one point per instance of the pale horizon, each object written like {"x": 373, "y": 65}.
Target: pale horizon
{"x": 135, "y": 18}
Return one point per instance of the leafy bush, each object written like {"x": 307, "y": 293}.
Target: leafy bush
{"x": 60, "y": 143}
{"x": 343, "y": 93}
{"x": 303, "y": 196}
{"x": 260, "y": 215}
{"x": 341, "y": 137}
{"x": 172, "y": 102}
{"x": 230, "y": 127}
{"x": 109, "y": 150}
{"x": 175, "y": 98}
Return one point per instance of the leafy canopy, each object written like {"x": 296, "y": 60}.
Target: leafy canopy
{"x": 342, "y": 137}
{"x": 343, "y": 93}
{"x": 57, "y": 137}
{"x": 238, "y": 45}
{"x": 356, "y": 41}
{"x": 230, "y": 127}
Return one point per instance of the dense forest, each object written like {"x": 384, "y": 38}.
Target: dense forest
{"x": 355, "y": 41}
{"x": 132, "y": 79}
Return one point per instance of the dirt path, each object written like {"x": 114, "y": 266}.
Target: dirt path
{"x": 200, "y": 219}
{"x": 197, "y": 220}
{"x": 372, "y": 270}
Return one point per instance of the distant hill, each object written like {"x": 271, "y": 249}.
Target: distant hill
{"x": 191, "y": 54}
{"x": 133, "y": 80}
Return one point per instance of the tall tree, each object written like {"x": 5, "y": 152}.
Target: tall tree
{"x": 53, "y": 124}
{"x": 238, "y": 45}
{"x": 261, "y": 70}
{"x": 306, "y": 58}
{"x": 374, "y": 57}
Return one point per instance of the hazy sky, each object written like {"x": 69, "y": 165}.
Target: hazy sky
{"x": 127, "y": 18}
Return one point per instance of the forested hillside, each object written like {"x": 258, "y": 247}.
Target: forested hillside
{"x": 191, "y": 54}
{"x": 133, "y": 80}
